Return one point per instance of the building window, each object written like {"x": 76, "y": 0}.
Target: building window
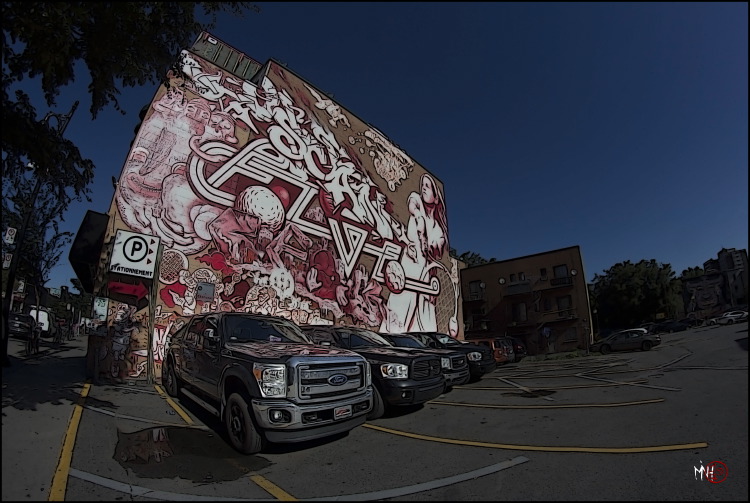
{"x": 543, "y": 273}
{"x": 475, "y": 289}
{"x": 519, "y": 312}
{"x": 570, "y": 335}
{"x": 564, "y": 305}
{"x": 547, "y": 305}
{"x": 561, "y": 271}
{"x": 512, "y": 278}
{"x": 521, "y": 276}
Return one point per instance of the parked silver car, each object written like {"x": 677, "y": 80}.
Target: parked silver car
{"x": 729, "y": 318}
{"x": 627, "y": 340}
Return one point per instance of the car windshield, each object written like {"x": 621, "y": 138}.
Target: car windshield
{"x": 405, "y": 341}
{"x": 246, "y": 329}
{"x": 361, "y": 338}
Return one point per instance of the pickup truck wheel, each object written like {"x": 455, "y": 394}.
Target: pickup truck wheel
{"x": 378, "y": 406}
{"x": 240, "y": 428}
{"x": 646, "y": 345}
{"x": 605, "y": 349}
{"x": 172, "y": 384}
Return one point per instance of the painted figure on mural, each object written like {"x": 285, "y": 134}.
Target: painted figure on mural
{"x": 123, "y": 327}
{"x": 426, "y": 238}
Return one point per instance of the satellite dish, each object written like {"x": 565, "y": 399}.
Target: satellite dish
{"x": 482, "y": 285}
{"x": 501, "y": 281}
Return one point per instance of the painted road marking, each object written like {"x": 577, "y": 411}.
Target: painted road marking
{"x": 184, "y": 415}
{"x": 134, "y": 490}
{"x": 144, "y": 419}
{"x": 558, "y": 406}
{"x": 665, "y": 388}
{"x": 540, "y": 448}
{"x": 272, "y": 488}
{"x": 60, "y": 479}
{"x": 546, "y": 388}
{"x": 524, "y": 388}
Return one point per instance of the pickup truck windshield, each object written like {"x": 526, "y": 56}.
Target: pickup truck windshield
{"x": 365, "y": 338}
{"x": 242, "y": 329}
{"x": 408, "y": 342}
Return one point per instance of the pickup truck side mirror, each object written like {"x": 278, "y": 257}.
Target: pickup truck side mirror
{"x": 210, "y": 335}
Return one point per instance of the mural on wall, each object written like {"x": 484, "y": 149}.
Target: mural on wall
{"x": 123, "y": 350}
{"x": 251, "y": 190}
{"x": 706, "y": 295}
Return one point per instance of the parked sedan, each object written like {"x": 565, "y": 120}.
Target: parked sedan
{"x": 627, "y": 340}
{"x": 19, "y": 325}
{"x": 729, "y": 318}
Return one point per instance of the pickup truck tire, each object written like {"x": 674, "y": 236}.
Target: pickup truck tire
{"x": 171, "y": 383}
{"x": 378, "y": 405}
{"x": 240, "y": 428}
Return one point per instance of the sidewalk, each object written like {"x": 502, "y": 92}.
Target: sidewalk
{"x": 39, "y": 394}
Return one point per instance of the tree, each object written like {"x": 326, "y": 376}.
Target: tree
{"x": 470, "y": 258}
{"x": 124, "y": 44}
{"x": 692, "y": 272}
{"x": 627, "y": 293}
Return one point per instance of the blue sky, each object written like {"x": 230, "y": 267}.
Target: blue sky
{"x": 618, "y": 127}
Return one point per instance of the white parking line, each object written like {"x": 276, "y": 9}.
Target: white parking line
{"x": 135, "y": 490}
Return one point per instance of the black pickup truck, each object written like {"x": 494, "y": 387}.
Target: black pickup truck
{"x": 455, "y": 364}
{"x": 266, "y": 379}
{"x": 400, "y": 376}
{"x": 481, "y": 360}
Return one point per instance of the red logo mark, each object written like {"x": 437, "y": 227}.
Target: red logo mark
{"x": 716, "y": 472}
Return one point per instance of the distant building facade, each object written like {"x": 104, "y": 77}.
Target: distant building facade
{"x": 723, "y": 285}
{"x": 542, "y": 299}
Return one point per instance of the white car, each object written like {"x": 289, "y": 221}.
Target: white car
{"x": 729, "y": 318}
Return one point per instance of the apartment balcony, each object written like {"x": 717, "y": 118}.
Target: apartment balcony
{"x": 559, "y": 315}
{"x": 564, "y": 281}
{"x": 520, "y": 288}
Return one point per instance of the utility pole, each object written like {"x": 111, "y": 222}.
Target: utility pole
{"x": 62, "y": 124}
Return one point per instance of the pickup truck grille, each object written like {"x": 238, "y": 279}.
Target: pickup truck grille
{"x": 458, "y": 362}
{"x": 426, "y": 368}
{"x": 318, "y": 380}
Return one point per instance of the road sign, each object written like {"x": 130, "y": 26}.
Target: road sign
{"x": 10, "y": 236}
{"x": 7, "y": 258}
{"x": 134, "y": 254}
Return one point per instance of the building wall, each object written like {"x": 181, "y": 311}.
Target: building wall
{"x": 281, "y": 202}
{"x": 537, "y": 298}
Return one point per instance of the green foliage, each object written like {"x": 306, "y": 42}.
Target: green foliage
{"x": 627, "y": 293}
{"x": 123, "y": 44}
{"x": 692, "y": 272}
{"x": 470, "y": 258}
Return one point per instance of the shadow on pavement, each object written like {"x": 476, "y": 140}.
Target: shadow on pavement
{"x": 53, "y": 376}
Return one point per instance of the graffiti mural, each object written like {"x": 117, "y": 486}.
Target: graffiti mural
{"x": 121, "y": 348}
{"x": 268, "y": 193}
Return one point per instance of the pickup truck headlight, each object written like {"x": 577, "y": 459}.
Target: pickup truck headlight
{"x": 271, "y": 379}
{"x": 368, "y": 375}
{"x": 475, "y": 356}
{"x": 445, "y": 363}
{"x": 394, "y": 371}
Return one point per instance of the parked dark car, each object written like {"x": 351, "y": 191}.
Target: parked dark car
{"x": 400, "y": 376}
{"x": 480, "y": 358}
{"x": 670, "y": 326}
{"x": 454, "y": 363}
{"x": 627, "y": 340}
{"x": 20, "y": 325}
